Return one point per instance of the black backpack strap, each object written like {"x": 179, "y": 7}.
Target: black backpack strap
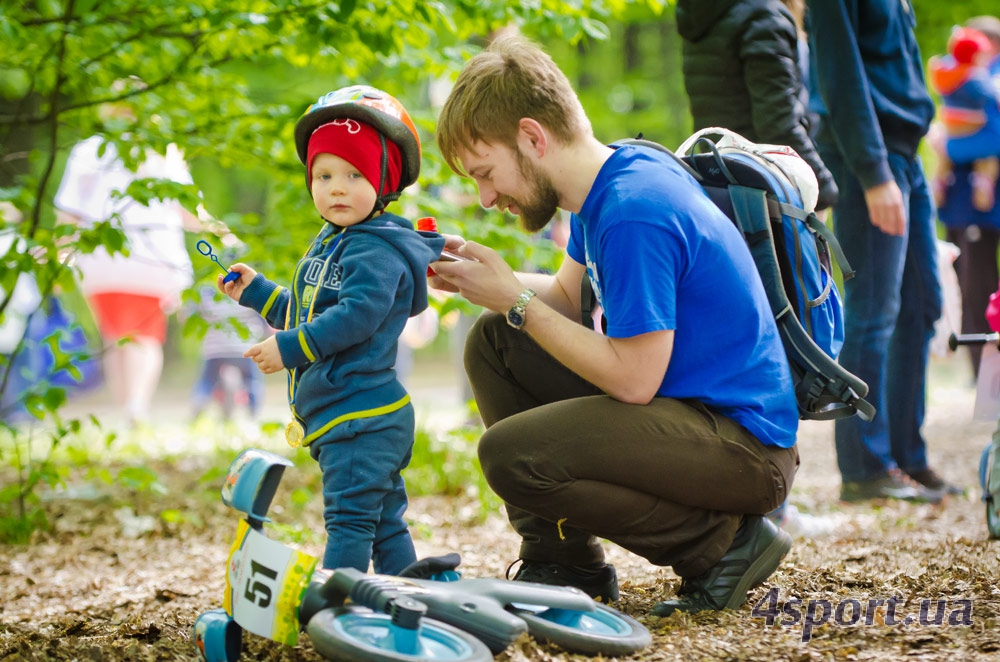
{"x": 824, "y": 390}
{"x": 588, "y": 302}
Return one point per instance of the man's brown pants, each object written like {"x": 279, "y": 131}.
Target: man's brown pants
{"x": 667, "y": 481}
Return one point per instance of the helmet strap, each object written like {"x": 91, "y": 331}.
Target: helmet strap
{"x": 382, "y": 200}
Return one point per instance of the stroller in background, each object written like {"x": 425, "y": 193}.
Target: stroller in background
{"x": 988, "y": 388}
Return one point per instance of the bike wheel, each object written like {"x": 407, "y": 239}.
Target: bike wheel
{"x": 604, "y": 631}
{"x": 989, "y": 465}
{"x": 993, "y": 519}
{"x": 357, "y": 634}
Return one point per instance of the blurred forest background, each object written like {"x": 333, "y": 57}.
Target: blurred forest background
{"x": 225, "y": 80}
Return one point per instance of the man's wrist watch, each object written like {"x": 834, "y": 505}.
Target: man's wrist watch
{"x": 517, "y": 314}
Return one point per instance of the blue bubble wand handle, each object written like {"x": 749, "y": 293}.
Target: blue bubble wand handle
{"x": 206, "y": 249}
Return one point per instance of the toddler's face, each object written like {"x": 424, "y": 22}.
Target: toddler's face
{"x": 340, "y": 192}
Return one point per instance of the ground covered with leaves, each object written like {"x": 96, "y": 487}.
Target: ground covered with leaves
{"x": 115, "y": 579}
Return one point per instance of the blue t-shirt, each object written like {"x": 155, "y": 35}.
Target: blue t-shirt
{"x": 660, "y": 255}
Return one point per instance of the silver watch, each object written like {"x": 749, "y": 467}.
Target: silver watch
{"x": 518, "y": 313}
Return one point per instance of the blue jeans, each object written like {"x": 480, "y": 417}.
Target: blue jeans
{"x": 363, "y": 492}
{"x": 211, "y": 374}
{"x": 890, "y": 308}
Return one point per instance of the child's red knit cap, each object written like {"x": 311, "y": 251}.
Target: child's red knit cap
{"x": 360, "y": 145}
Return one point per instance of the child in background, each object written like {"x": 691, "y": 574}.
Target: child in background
{"x": 971, "y": 113}
{"x": 222, "y": 347}
{"x": 361, "y": 278}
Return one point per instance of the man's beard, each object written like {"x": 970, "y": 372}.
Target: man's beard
{"x": 542, "y": 200}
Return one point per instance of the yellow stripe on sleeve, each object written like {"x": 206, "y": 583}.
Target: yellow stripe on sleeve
{"x": 270, "y": 301}
{"x": 305, "y": 347}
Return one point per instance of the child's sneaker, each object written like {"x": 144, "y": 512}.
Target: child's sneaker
{"x": 598, "y": 581}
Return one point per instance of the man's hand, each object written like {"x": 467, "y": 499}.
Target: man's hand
{"x": 266, "y": 355}
{"x": 485, "y": 279}
{"x": 885, "y": 208}
{"x": 453, "y": 244}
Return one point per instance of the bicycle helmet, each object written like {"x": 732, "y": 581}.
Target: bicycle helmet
{"x": 371, "y": 106}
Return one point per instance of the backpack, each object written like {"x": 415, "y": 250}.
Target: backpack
{"x": 770, "y": 192}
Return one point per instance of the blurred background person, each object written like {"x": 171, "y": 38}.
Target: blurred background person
{"x": 130, "y": 295}
{"x": 976, "y": 231}
{"x": 225, "y": 372}
{"x": 19, "y": 363}
{"x": 742, "y": 63}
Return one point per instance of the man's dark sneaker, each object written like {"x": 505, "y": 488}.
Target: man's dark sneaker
{"x": 890, "y": 485}
{"x": 753, "y": 557}
{"x": 933, "y": 481}
{"x": 598, "y": 581}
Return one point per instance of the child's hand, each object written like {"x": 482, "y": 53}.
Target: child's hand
{"x": 234, "y": 289}
{"x": 265, "y": 354}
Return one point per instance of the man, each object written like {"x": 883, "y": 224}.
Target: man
{"x": 674, "y": 432}
{"x": 869, "y": 72}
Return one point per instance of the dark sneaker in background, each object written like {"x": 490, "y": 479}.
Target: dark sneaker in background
{"x": 891, "y": 485}
{"x": 933, "y": 481}
{"x": 598, "y": 581}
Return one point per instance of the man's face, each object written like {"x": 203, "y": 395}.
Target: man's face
{"x": 509, "y": 181}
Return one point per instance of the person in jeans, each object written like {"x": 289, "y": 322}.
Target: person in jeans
{"x": 875, "y": 110}
{"x": 672, "y": 433}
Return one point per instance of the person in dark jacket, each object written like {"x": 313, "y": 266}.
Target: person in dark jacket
{"x": 876, "y": 109}
{"x": 361, "y": 278}
{"x": 742, "y": 72}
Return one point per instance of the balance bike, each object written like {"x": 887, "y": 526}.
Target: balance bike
{"x": 275, "y": 591}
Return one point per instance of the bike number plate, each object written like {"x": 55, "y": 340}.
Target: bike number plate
{"x": 265, "y": 581}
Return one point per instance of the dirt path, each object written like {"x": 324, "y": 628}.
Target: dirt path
{"x": 89, "y": 592}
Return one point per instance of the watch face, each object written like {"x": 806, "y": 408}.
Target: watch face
{"x": 515, "y": 318}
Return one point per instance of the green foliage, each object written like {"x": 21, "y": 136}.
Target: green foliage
{"x": 21, "y": 509}
{"x": 447, "y": 464}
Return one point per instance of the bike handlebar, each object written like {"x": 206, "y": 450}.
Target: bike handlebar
{"x": 972, "y": 339}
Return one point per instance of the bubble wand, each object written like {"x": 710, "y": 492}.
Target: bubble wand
{"x": 206, "y": 249}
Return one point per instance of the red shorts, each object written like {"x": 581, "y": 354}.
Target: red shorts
{"x": 120, "y": 315}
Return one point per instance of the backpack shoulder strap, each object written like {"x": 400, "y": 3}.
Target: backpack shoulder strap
{"x": 824, "y": 390}
{"x": 820, "y": 228}
{"x": 750, "y": 213}
{"x": 642, "y": 142}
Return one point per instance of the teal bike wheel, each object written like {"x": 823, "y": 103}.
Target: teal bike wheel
{"x": 603, "y": 631}
{"x": 358, "y": 634}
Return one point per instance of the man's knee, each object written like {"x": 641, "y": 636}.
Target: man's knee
{"x": 482, "y": 338}
{"x": 508, "y": 469}
{"x": 494, "y": 458}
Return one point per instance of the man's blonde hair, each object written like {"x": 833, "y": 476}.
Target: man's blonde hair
{"x": 510, "y": 80}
